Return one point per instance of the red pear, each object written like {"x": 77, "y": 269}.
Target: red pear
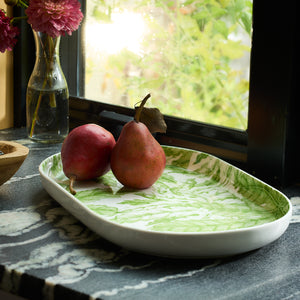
{"x": 137, "y": 160}
{"x": 86, "y": 152}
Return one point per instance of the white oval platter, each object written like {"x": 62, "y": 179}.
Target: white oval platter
{"x": 200, "y": 207}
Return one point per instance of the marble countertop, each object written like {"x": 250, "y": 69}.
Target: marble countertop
{"x": 45, "y": 253}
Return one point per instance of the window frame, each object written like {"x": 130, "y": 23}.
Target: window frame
{"x": 273, "y": 106}
{"x": 267, "y": 149}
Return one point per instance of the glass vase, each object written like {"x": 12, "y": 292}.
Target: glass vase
{"x": 47, "y": 97}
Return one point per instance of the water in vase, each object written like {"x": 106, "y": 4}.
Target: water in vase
{"x": 47, "y": 114}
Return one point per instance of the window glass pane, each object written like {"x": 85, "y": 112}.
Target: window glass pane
{"x": 192, "y": 56}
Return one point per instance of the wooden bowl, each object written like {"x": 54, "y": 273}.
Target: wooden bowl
{"x": 11, "y": 160}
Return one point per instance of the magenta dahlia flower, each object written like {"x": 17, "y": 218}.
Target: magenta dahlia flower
{"x": 8, "y": 33}
{"x": 54, "y": 17}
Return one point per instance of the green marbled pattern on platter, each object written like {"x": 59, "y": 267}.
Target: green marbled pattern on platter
{"x": 196, "y": 193}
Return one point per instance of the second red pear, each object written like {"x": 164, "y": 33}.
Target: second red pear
{"x": 137, "y": 160}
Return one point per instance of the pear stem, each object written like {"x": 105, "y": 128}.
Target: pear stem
{"x": 140, "y": 108}
{"x": 72, "y": 180}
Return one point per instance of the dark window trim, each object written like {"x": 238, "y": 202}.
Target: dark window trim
{"x": 273, "y": 103}
{"x": 75, "y": 73}
{"x": 24, "y": 57}
{"x": 268, "y": 148}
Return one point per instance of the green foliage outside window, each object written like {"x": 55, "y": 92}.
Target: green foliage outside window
{"x": 188, "y": 58}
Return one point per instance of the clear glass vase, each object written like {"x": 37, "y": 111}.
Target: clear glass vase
{"x": 47, "y": 97}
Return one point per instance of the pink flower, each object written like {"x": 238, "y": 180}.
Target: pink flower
{"x": 7, "y": 33}
{"x": 54, "y": 17}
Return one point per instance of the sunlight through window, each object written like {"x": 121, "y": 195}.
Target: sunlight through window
{"x": 124, "y": 32}
{"x": 193, "y": 57}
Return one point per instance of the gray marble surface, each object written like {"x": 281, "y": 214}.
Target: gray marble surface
{"x": 45, "y": 253}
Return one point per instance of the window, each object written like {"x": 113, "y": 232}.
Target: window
{"x": 193, "y": 56}
{"x": 266, "y": 147}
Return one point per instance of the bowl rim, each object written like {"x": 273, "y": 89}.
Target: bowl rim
{"x": 18, "y": 152}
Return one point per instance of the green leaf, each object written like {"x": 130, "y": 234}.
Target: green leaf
{"x": 247, "y": 22}
{"x": 221, "y": 27}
